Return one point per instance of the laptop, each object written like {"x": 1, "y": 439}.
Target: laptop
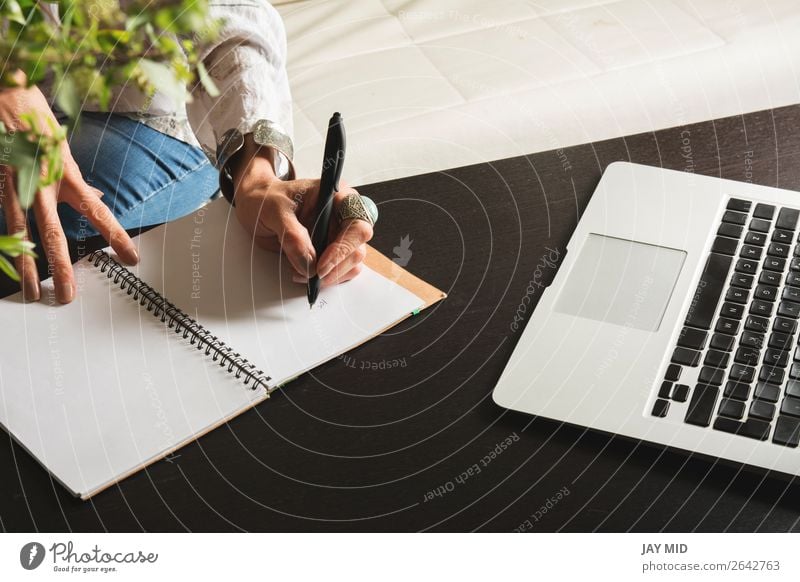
{"x": 673, "y": 319}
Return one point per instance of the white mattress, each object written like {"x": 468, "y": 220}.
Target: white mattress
{"x": 431, "y": 84}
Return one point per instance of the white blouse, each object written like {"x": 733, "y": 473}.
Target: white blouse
{"x": 247, "y": 62}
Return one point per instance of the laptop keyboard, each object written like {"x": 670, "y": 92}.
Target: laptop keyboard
{"x": 740, "y": 334}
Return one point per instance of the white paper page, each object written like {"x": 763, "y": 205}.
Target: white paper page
{"x": 208, "y": 266}
{"x": 98, "y": 387}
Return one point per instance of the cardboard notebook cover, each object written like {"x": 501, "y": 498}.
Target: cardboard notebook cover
{"x": 376, "y": 261}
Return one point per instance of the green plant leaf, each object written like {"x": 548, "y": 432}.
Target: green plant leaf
{"x": 67, "y": 97}
{"x": 7, "y": 268}
{"x": 163, "y": 79}
{"x": 206, "y": 80}
{"x": 15, "y": 245}
{"x": 27, "y": 182}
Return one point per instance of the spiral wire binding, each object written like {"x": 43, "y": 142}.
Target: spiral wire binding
{"x": 176, "y": 319}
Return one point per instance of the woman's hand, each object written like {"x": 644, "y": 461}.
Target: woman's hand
{"x": 280, "y": 214}
{"x": 71, "y": 189}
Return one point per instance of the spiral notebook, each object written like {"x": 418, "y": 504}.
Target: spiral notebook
{"x": 149, "y": 358}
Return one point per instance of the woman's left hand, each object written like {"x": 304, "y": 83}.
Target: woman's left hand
{"x": 280, "y": 214}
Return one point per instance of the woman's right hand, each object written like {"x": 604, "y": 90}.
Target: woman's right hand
{"x": 71, "y": 189}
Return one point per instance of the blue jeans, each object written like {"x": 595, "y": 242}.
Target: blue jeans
{"x": 147, "y": 177}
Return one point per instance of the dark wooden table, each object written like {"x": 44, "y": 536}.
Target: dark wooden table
{"x": 400, "y": 433}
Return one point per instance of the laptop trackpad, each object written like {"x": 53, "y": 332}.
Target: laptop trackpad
{"x": 622, "y": 282}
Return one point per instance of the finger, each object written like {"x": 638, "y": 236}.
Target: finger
{"x": 351, "y": 274}
{"x": 25, "y": 265}
{"x": 294, "y": 240}
{"x": 351, "y": 235}
{"x": 271, "y": 243}
{"x": 54, "y": 244}
{"x": 87, "y": 200}
{"x": 345, "y": 265}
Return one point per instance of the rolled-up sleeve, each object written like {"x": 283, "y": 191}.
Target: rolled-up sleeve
{"x": 247, "y": 62}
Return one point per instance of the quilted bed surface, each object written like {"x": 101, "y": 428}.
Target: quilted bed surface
{"x": 431, "y": 84}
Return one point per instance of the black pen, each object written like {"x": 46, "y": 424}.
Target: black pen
{"x": 332, "y": 163}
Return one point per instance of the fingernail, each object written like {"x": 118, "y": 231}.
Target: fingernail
{"x": 132, "y": 257}
{"x": 310, "y": 264}
{"x": 30, "y": 290}
{"x": 299, "y": 279}
{"x": 65, "y": 292}
{"x": 324, "y": 269}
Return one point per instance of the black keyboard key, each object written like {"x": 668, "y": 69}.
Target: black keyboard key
{"x": 775, "y": 357}
{"x": 791, "y": 294}
{"x": 790, "y": 406}
{"x": 752, "y": 428}
{"x": 732, "y": 310}
{"x": 673, "y": 372}
{"x": 793, "y": 278}
{"x": 741, "y": 373}
{"x": 756, "y": 323}
{"x": 680, "y": 393}
{"x": 739, "y": 205}
{"x": 727, "y": 246}
{"x": 734, "y": 217}
{"x": 761, "y": 409}
{"x": 771, "y": 374}
{"x": 785, "y": 325}
{"x": 686, "y": 357}
{"x": 709, "y": 289}
{"x": 666, "y": 390}
{"x": 787, "y": 218}
{"x": 746, "y": 266}
{"x": 752, "y": 339}
{"x": 780, "y": 236}
{"x": 737, "y": 295}
{"x": 766, "y": 211}
{"x": 755, "y": 238}
{"x": 692, "y": 338}
{"x": 716, "y": 359}
{"x": 701, "y": 406}
{"x": 729, "y": 326}
{"x": 747, "y": 356}
{"x": 767, "y": 391}
{"x": 794, "y": 372}
{"x": 759, "y": 225}
{"x": 787, "y": 431}
{"x": 737, "y": 390}
{"x": 789, "y": 309}
{"x": 766, "y": 292}
{"x": 779, "y": 340}
{"x": 761, "y": 307}
{"x": 770, "y": 278}
{"x": 777, "y": 249}
{"x": 792, "y": 389}
{"x": 730, "y": 230}
{"x": 795, "y": 266}
{"x": 747, "y": 252}
{"x": 720, "y": 341}
{"x": 713, "y": 376}
{"x": 731, "y": 408}
{"x": 775, "y": 264}
{"x": 742, "y": 280}
{"x": 660, "y": 408}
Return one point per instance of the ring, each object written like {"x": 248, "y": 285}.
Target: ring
{"x": 357, "y": 207}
